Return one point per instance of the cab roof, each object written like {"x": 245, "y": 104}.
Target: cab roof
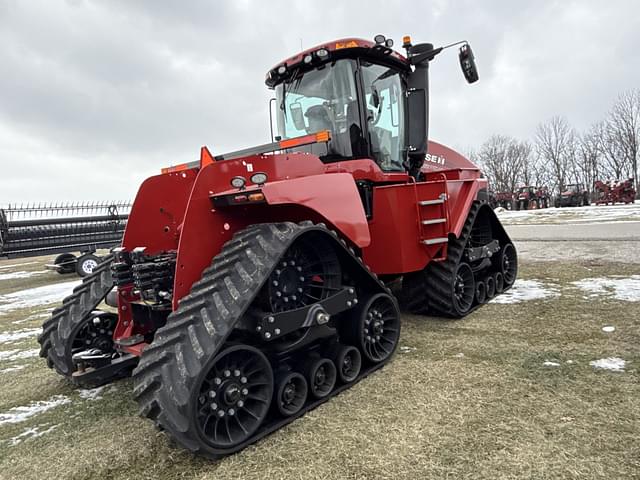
{"x": 341, "y": 48}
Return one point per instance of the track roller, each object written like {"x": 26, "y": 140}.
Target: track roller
{"x": 491, "y": 287}
{"x": 321, "y": 375}
{"x": 348, "y": 361}
{"x": 463, "y": 289}
{"x": 290, "y": 393}
{"x": 481, "y": 292}
{"x": 499, "y": 279}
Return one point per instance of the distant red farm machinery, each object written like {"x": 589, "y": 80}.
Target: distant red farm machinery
{"x": 530, "y": 198}
{"x": 614, "y": 191}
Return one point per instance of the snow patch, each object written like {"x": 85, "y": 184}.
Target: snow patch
{"x": 91, "y": 394}
{"x": 404, "y": 349}
{"x": 12, "y": 369}
{"x": 36, "y": 296}
{"x": 2, "y": 267}
{"x": 524, "y": 290}
{"x": 459, "y": 355}
{"x": 549, "y": 363}
{"x": 608, "y": 328}
{"x": 21, "y": 274}
{"x": 34, "y": 432}
{"x": 614, "y": 364}
{"x": 8, "y": 337}
{"x": 620, "y": 288}
{"x": 20, "y": 414}
{"x": 10, "y": 355}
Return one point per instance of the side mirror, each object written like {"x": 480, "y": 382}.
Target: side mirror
{"x": 297, "y": 116}
{"x": 468, "y": 63}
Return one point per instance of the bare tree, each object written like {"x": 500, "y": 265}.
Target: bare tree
{"x": 623, "y": 127}
{"x": 554, "y": 144}
{"x": 587, "y": 166}
{"x": 502, "y": 159}
{"x": 613, "y": 161}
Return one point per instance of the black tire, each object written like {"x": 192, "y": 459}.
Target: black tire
{"x": 491, "y": 287}
{"x": 86, "y": 263}
{"x": 377, "y": 328}
{"x": 321, "y": 376}
{"x": 290, "y": 393}
{"x": 508, "y": 264}
{"x": 481, "y": 292}
{"x": 499, "y": 280}
{"x": 348, "y": 362}
{"x": 66, "y": 263}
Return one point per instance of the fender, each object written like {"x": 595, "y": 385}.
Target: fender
{"x": 334, "y": 197}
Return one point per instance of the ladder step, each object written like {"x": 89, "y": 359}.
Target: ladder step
{"x": 434, "y": 221}
{"x": 433, "y": 241}
{"x": 437, "y": 201}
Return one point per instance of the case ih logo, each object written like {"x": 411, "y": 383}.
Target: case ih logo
{"x": 435, "y": 159}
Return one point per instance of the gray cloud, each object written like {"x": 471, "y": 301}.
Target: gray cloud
{"x": 95, "y": 96}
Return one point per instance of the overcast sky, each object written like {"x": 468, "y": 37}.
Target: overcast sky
{"x": 96, "y": 96}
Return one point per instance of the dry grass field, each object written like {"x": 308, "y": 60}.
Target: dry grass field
{"x": 516, "y": 390}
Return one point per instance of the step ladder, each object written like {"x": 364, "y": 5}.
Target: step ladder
{"x": 433, "y": 216}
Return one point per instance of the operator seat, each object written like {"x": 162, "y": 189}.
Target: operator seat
{"x": 318, "y": 119}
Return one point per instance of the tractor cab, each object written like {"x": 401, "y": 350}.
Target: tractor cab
{"x": 372, "y": 100}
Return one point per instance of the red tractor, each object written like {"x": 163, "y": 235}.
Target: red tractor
{"x": 252, "y": 286}
{"x": 529, "y": 198}
{"x": 615, "y": 191}
{"x": 505, "y": 200}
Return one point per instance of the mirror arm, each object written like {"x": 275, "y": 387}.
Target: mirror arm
{"x": 428, "y": 56}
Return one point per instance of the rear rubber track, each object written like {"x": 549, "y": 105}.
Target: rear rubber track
{"x": 197, "y": 329}
{"x": 429, "y": 291}
{"x": 57, "y": 331}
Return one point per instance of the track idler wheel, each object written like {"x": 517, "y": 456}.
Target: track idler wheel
{"x": 348, "y": 361}
{"x": 481, "y": 292}
{"x": 499, "y": 279}
{"x": 491, "y": 287}
{"x": 321, "y": 375}
{"x": 233, "y": 396}
{"x": 290, "y": 393}
{"x": 463, "y": 289}
{"x": 508, "y": 264}
{"x": 378, "y": 328}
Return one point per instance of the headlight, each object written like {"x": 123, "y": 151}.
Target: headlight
{"x": 238, "y": 182}
{"x": 259, "y": 178}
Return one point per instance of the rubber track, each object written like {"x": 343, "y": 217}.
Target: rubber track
{"x": 429, "y": 290}
{"x": 198, "y": 328}
{"x": 56, "y": 330}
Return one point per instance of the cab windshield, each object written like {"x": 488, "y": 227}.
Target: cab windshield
{"x": 323, "y": 99}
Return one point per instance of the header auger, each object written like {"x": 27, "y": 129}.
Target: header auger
{"x": 252, "y": 286}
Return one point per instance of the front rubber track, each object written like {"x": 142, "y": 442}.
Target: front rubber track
{"x": 55, "y": 339}
{"x": 169, "y": 368}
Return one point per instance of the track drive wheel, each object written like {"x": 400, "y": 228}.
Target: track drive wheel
{"x": 377, "y": 330}
{"x": 508, "y": 264}
{"x": 463, "y": 288}
{"x": 232, "y": 396}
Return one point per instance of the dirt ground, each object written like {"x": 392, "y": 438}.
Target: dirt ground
{"x": 543, "y": 385}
